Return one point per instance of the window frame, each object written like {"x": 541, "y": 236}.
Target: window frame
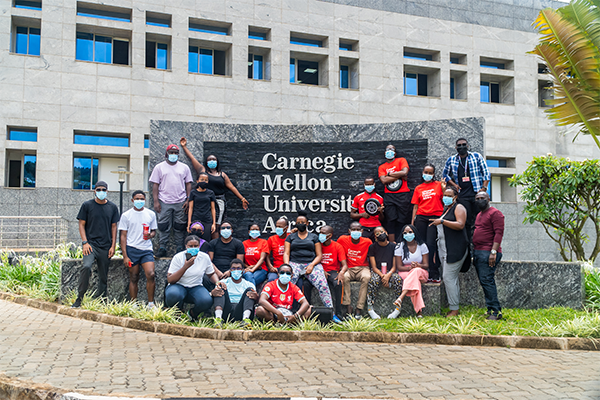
{"x": 18, "y": 25}
{"x": 94, "y": 41}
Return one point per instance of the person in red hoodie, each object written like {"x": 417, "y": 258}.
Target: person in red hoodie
{"x": 357, "y": 248}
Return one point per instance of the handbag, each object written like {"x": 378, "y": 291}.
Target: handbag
{"x": 467, "y": 263}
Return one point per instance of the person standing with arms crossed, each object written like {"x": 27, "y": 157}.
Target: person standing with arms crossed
{"x": 393, "y": 174}
{"x": 98, "y": 220}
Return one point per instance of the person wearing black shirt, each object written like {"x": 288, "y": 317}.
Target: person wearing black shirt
{"x": 224, "y": 249}
{"x": 98, "y": 220}
{"x": 202, "y": 207}
{"x": 383, "y": 267}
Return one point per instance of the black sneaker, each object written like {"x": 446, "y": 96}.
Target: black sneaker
{"x": 77, "y": 304}
{"x": 494, "y": 317}
{"x": 162, "y": 252}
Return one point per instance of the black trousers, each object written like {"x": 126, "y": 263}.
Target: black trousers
{"x": 101, "y": 257}
{"x": 472, "y": 211}
{"x": 234, "y": 311}
{"x": 429, "y": 235}
{"x": 335, "y": 288}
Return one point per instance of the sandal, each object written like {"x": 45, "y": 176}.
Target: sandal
{"x": 398, "y": 303}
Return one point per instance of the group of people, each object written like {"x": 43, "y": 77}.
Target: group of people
{"x": 401, "y": 244}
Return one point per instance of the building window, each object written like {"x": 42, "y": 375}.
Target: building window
{"x": 458, "y": 85}
{"x": 457, "y": 58}
{"x": 421, "y": 54}
{"x": 95, "y": 139}
{"x": 306, "y": 72}
{"x": 258, "y": 33}
{"x": 415, "y": 84}
{"x": 212, "y": 27}
{"x": 29, "y": 4}
{"x": 22, "y": 134}
{"x": 452, "y": 88}
{"x": 543, "y": 69}
{"x": 255, "y": 66}
{"x": 344, "y": 81}
{"x": 104, "y": 12}
{"x": 303, "y": 39}
{"x": 545, "y": 93}
{"x": 418, "y": 56}
{"x": 487, "y": 64}
{"x": 146, "y": 142}
{"x": 27, "y": 40}
{"x": 157, "y": 19}
{"x": 102, "y": 49}
{"x": 347, "y": 45}
{"x": 495, "y": 63}
{"x": 157, "y": 55}
{"x": 20, "y": 169}
{"x": 496, "y": 163}
{"x": 85, "y": 172}
{"x": 206, "y": 61}
{"x": 490, "y": 92}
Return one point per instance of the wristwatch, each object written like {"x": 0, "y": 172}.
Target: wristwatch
{"x": 493, "y": 252}
{"x": 84, "y": 242}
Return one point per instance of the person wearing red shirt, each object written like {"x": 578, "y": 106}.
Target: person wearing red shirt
{"x": 427, "y": 205}
{"x": 277, "y": 298}
{"x": 334, "y": 256}
{"x": 393, "y": 174}
{"x": 356, "y": 248}
{"x": 255, "y": 254}
{"x": 357, "y": 210}
{"x": 277, "y": 248}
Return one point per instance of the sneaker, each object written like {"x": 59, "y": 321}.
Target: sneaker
{"x": 373, "y": 314}
{"x": 336, "y": 319}
{"x": 494, "y": 317}
{"x": 162, "y": 252}
{"x": 434, "y": 281}
{"x": 77, "y": 304}
{"x": 189, "y": 314}
{"x": 218, "y": 322}
{"x": 394, "y": 314}
{"x": 246, "y": 323}
{"x": 357, "y": 316}
{"x": 151, "y": 305}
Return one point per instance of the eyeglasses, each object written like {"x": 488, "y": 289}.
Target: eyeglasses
{"x": 285, "y": 273}
{"x": 101, "y": 190}
{"x": 461, "y": 145}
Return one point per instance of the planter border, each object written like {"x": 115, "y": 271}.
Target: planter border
{"x": 519, "y": 342}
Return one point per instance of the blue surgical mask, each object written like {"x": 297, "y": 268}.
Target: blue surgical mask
{"x": 285, "y": 279}
{"x": 212, "y": 164}
{"x": 173, "y": 157}
{"x": 447, "y": 200}
{"x": 193, "y": 251}
{"x": 279, "y": 231}
{"x": 139, "y": 204}
{"x": 409, "y": 237}
{"x": 390, "y": 154}
{"x": 226, "y": 233}
{"x": 236, "y": 274}
{"x": 101, "y": 195}
{"x": 254, "y": 233}
{"x": 355, "y": 235}
{"x": 369, "y": 188}
{"x": 322, "y": 237}
{"x": 427, "y": 177}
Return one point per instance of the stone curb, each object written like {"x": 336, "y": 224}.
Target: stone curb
{"x": 519, "y": 342}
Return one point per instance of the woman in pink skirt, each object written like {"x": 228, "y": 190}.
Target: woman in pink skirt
{"x": 412, "y": 260}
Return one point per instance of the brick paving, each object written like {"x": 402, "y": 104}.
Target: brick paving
{"x": 95, "y": 358}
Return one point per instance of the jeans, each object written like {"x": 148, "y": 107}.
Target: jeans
{"x": 102, "y": 260}
{"x": 487, "y": 279}
{"x": 176, "y": 295}
{"x": 472, "y": 211}
{"x": 259, "y": 276}
{"x": 207, "y": 283}
{"x": 235, "y": 311}
{"x": 272, "y": 276}
{"x": 172, "y": 216}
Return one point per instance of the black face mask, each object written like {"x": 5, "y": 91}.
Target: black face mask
{"x": 482, "y": 204}
{"x": 301, "y": 227}
{"x": 202, "y": 185}
{"x": 196, "y": 232}
{"x": 462, "y": 150}
{"x": 382, "y": 237}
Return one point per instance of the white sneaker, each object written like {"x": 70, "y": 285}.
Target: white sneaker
{"x": 151, "y": 305}
{"x": 394, "y": 314}
{"x": 373, "y": 314}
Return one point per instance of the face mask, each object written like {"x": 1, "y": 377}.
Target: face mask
{"x": 284, "y": 279}
{"x": 390, "y": 154}
{"x": 193, "y": 251}
{"x": 279, "y": 231}
{"x": 173, "y": 157}
{"x": 236, "y": 274}
{"x": 369, "y": 188}
{"x": 462, "y": 150}
{"x": 409, "y": 237}
{"x": 212, "y": 164}
{"x": 226, "y": 233}
{"x": 301, "y": 227}
{"x": 101, "y": 195}
{"x": 427, "y": 177}
{"x": 254, "y": 234}
{"x": 202, "y": 185}
{"x": 447, "y": 200}
{"x": 196, "y": 232}
{"x": 355, "y": 235}
{"x": 139, "y": 204}
{"x": 482, "y": 204}
{"x": 382, "y": 237}
{"x": 322, "y": 237}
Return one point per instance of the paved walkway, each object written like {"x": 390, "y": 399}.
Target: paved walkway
{"x": 91, "y": 357}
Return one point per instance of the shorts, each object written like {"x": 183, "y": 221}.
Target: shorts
{"x": 139, "y": 257}
{"x": 398, "y": 208}
{"x": 285, "y": 311}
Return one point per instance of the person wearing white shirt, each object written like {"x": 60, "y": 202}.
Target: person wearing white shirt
{"x": 138, "y": 226}
{"x": 235, "y": 298}
{"x": 185, "y": 276}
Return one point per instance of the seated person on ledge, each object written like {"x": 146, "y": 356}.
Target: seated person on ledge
{"x": 234, "y": 297}
{"x": 277, "y": 298}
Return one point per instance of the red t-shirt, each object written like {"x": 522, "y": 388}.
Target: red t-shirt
{"x": 278, "y": 298}
{"x": 428, "y": 196}
{"x": 356, "y": 254}
{"x": 395, "y": 166}
{"x": 332, "y": 256}
{"x": 277, "y": 247}
{"x": 252, "y": 251}
{"x": 359, "y": 204}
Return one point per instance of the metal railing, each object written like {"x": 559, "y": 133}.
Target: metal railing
{"x": 32, "y": 233}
